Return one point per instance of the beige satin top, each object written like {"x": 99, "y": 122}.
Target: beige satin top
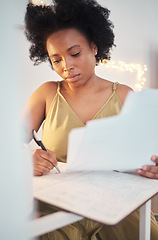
{"x": 61, "y": 119}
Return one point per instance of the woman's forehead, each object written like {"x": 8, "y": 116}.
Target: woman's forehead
{"x": 66, "y": 38}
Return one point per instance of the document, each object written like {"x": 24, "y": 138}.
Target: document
{"x": 103, "y": 196}
{"x": 53, "y": 177}
{"x": 124, "y": 142}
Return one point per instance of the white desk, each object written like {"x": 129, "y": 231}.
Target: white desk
{"x": 127, "y": 191}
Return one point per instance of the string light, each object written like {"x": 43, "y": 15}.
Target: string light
{"x": 124, "y": 67}
{"x": 40, "y": 2}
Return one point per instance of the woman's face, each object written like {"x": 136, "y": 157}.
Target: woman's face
{"x": 72, "y": 56}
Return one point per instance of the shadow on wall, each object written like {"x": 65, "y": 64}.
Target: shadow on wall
{"x": 153, "y": 65}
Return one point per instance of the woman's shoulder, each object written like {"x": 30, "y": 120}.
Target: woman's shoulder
{"x": 50, "y": 86}
{"x": 122, "y": 91}
{"x": 47, "y": 90}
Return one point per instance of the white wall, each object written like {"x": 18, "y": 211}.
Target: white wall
{"x": 136, "y": 34}
{"x": 136, "y": 39}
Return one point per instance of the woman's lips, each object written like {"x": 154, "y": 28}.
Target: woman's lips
{"x": 73, "y": 78}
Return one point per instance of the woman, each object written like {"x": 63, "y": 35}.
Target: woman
{"x": 74, "y": 36}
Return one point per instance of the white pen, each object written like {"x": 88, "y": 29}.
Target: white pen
{"x": 40, "y": 143}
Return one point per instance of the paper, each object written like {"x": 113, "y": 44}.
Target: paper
{"x": 123, "y": 142}
{"x": 53, "y": 177}
{"x": 97, "y": 195}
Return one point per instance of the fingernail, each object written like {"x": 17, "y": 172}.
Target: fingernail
{"x": 144, "y": 168}
{"x": 153, "y": 158}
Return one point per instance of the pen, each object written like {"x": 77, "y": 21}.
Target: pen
{"x": 40, "y": 143}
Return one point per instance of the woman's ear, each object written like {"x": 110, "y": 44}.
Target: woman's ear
{"x": 94, "y": 48}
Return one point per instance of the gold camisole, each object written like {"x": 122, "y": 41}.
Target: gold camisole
{"x": 61, "y": 119}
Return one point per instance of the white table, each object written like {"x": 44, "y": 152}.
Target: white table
{"x": 52, "y": 187}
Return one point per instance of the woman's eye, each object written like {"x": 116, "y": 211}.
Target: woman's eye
{"x": 76, "y": 54}
{"x": 56, "y": 61}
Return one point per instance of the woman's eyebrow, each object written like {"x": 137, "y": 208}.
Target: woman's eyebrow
{"x": 54, "y": 55}
{"x": 74, "y": 46}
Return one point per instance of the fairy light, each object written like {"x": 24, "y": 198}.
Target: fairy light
{"x": 40, "y": 2}
{"x": 124, "y": 67}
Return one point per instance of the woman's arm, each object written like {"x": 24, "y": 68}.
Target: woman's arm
{"x": 37, "y": 107}
{"x": 32, "y": 117}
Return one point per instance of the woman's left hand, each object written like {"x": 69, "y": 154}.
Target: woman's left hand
{"x": 150, "y": 171}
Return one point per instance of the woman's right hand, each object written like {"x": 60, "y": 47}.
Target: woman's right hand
{"x": 43, "y": 161}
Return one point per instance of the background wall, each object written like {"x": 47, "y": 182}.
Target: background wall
{"x": 136, "y": 35}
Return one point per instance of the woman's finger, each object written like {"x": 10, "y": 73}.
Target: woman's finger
{"x": 150, "y": 168}
{"x": 154, "y": 158}
{"x": 147, "y": 174}
{"x": 41, "y": 169}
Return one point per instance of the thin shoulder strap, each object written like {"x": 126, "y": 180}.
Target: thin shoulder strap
{"x": 58, "y": 89}
{"x": 115, "y": 86}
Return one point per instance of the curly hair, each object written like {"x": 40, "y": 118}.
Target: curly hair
{"x": 87, "y": 16}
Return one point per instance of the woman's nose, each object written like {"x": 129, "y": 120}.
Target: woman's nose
{"x": 68, "y": 64}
